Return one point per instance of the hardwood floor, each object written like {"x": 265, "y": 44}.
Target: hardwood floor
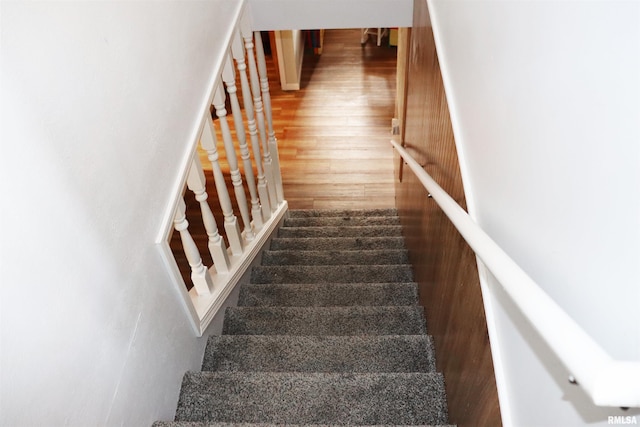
{"x": 333, "y": 136}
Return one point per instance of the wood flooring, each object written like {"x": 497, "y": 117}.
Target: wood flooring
{"x": 333, "y": 134}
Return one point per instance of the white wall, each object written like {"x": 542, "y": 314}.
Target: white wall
{"x": 290, "y": 54}
{"x": 323, "y": 14}
{"x": 545, "y": 103}
{"x": 100, "y": 101}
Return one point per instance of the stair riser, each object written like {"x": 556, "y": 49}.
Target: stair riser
{"x": 328, "y": 295}
{"x": 319, "y": 354}
{"x": 325, "y": 321}
{"x": 335, "y": 243}
{"x": 342, "y": 213}
{"x": 380, "y": 257}
{"x": 332, "y": 274}
{"x": 382, "y": 231}
{"x": 341, "y": 221}
{"x": 363, "y": 399}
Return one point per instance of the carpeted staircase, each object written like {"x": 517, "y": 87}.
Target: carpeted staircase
{"x": 328, "y": 332}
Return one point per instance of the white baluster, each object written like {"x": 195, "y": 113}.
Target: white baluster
{"x": 236, "y": 178}
{"x": 257, "y": 102}
{"x": 263, "y": 191}
{"x": 266, "y": 96}
{"x": 200, "y": 276}
{"x": 197, "y": 183}
{"x": 209, "y": 144}
{"x": 229, "y": 78}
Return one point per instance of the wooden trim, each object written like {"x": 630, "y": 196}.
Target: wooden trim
{"x": 404, "y": 39}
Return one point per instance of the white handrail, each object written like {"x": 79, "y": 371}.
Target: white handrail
{"x": 607, "y": 381}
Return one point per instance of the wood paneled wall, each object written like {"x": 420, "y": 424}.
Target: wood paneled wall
{"x": 445, "y": 267}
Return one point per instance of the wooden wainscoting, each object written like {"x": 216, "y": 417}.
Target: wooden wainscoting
{"x": 445, "y": 266}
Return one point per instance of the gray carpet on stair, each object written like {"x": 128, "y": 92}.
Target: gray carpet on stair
{"x": 356, "y": 320}
{"x": 328, "y": 332}
{"x": 313, "y": 398}
{"x": 388, "y": 353}
{"x": 327, "y": 294}
{"x": 341, "y": 213}
{"x": 335, "y": 221}
{"x": 330, "y": 257}
{"x": 214, "y": 424}
{"x": 379, "y": 231}
{"x": 337, "y": 243}
{"x": 331, "y": 273}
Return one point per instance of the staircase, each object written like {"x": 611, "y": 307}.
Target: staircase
{"x": 328, "y": 332}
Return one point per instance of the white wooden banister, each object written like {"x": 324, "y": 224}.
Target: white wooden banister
{"x": 228, "y": 76}
{"x": 260, "y": 214}
{"x": 247, "y": 35}
{"x": 229, "y": 149}
{"x": 197, "y": 183}
{"x": 202, "y": 281}
{"x": 231, "y": 226}
{"x": 247, "y": 98}
{"x": 266, "y": 96}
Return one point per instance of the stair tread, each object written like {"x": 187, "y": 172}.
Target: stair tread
{"x": 341, "y": 220}
{"x": 342, "y": 231}
{"x": 303, "y": 213}
{"x": 332, "y": 273}
{"x": 353, "y": 320}
{"x": 327, "y": 294}
{"x": 329, "y": 332}
{"x": 285, "y": 353}
{"x": 335, "y": 257}
{"x": 329, "y": 398}
{"x": 222, "y": 424}
{"x": 337, "y": 243}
